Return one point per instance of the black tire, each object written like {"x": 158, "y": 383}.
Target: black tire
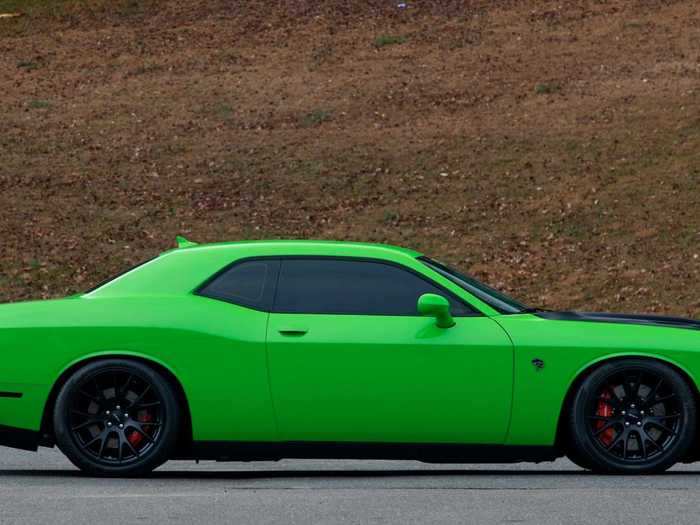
{"x": 93, "y": 426}
{"x": 578, "y": 460}
{"x": 631, "y": 416}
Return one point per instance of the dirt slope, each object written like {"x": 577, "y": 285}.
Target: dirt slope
{"x": 550, "y": 148}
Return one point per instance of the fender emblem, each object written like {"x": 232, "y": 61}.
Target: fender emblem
{"x": 538, "y": 364}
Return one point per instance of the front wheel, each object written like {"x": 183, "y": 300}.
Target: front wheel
{"x": 116, "y": 418}
{"x": 632, "y": 416}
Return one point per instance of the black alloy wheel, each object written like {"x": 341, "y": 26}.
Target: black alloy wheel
{"x": 116, "y": 417}
{"x": 632, "y": 416}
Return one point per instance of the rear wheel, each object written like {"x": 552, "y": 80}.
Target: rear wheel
{"x": 579, "y": 460}
{"x": 116, "y": 418}
{"x": 632, "y": 416}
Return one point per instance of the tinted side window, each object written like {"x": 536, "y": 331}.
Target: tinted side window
{"x": 248, "y": 283}
{"x": 333, "y": 286}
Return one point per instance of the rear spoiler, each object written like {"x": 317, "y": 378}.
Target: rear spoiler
{"x": 184, "y": 243}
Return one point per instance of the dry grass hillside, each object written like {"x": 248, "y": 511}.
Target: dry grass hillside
{"x": 549, "y": 148}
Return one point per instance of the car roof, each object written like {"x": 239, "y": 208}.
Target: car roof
{"x": 186, "y": 267}
{"x": 292, "y": 247}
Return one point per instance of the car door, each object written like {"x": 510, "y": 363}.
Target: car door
{"x": 351, "y": 360}
{"x": 224, "y": 332}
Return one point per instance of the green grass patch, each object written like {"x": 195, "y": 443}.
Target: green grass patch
{"x": 634, "y": 24}
{"x": 28, "y": 65}
{"x": 570, "y": 227}
{"x": 547, "y": 88}
{"x": 389, "y": 40}
{"x": 309, "y": 169}
{"x": 36, "y": 7}
{"x": 148, "y": 67}
{"x": 39, "y": 104}
{"x": 61, "y": 8}
{"x": 223, "y": 111}
{"x": 315, "y": 118}
{"x": 390, "y": 216}
{"x": 320, "y": 55}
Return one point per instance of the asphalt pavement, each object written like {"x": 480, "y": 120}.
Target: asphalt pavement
{"x": 45, "y": 488}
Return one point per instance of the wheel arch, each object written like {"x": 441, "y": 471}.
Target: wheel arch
{"x": 185, "y": 441}
{"x": 561, "y": 439}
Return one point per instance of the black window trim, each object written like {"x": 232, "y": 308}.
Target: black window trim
{"x": 472, "y": 311}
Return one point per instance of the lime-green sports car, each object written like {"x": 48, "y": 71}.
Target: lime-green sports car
{"x": 308, "y": 349}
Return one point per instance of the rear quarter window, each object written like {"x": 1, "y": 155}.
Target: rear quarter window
{"x": 247, "y": 283}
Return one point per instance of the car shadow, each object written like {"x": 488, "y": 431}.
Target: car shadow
{"x": 312, "y": 474}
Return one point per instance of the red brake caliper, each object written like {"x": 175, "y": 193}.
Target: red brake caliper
{"x": 135, "y": 438}
{"x": 604, "y": 410}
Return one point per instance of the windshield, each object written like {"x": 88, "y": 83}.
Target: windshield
{"x": 495, "y": 299}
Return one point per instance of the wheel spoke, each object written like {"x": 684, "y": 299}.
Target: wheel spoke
{"x": 102, "y": 446}
{"x": 148, "y": 405}
{"x": 89, "y": 396}
{"x": 651, "y": 440}
{"x": 655, "y": 422}
{"x": 614, "y": 400}
{"x": 100, "y": 392}
{"x": 81, "y": 413}
{"x": 93, "y": 440}
{"x": 605, "y": 427}
{"x": 140, "y": 397}
{"x": 627, "y": 387}
{"x": 652, "y": 394}
{"x": 662, "y": 399}
{"x": 639, "y": 384}
{"x": 87, "y": 423}
{"x": 124, "y": 387}
{"x": 149, "y": 424}
{"x": 642, "y": 445}
{"x": 140, "y": 430}
{"x": 615, "y": 441}
{"x": 131, "y": 447}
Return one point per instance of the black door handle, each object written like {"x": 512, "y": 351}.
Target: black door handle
{"x": 293, "y": 331}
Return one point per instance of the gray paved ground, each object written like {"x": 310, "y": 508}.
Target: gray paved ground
{"x": 45, "y": 488}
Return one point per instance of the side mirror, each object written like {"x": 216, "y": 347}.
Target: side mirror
{"x": 433, "y": 305}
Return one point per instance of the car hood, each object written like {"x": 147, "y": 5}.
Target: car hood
{"x": 639, "y": 319}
